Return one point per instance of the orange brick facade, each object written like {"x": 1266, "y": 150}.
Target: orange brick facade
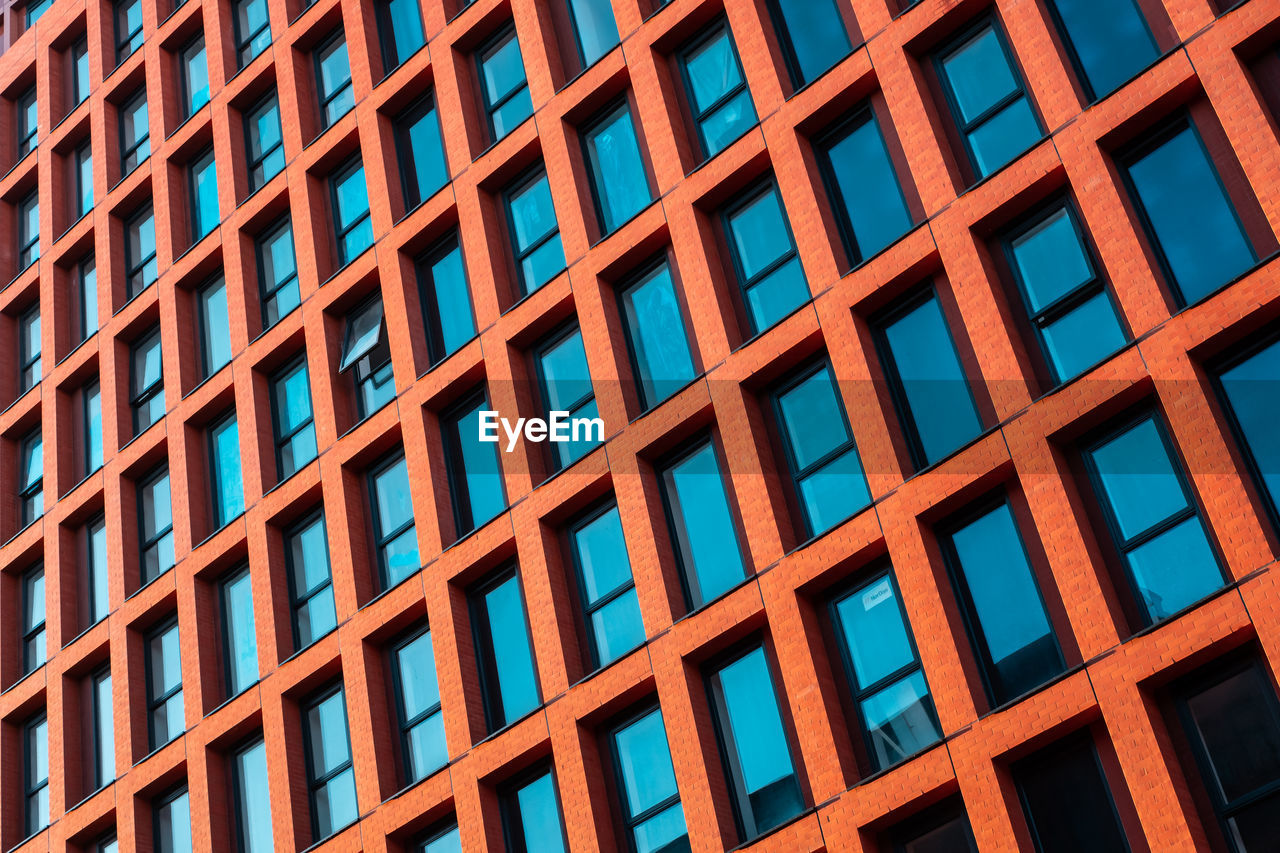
{"x": 1114, "y": 674}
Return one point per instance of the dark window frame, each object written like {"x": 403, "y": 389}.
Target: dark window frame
{"x": 206, "y": 331}
{"x": 406, "y": 157}
{"x": 140, "y": 397}
{"x": 79, "y": 49}
{"x": 441, "y": 249}
{"x": 486, "y": 50}
{"x": 129, "y": 157}
{"x": 244, "y": 42}
{"x": 509, "y": 810}
{"x": 313, "y": 782}
{"x": 631, "y": 822}
{"x": 168, "y": 798}
{"x": 32, "y": 787}
{"x": 124, "y": 39}
{"x": 280, "y": 439}
{"x": 1216, "y": 368}
{"x": 788, "y": 47}
{"x": 136, "y": 268}
{"x": 86, "y": 426}
{"x": 598, "y": 120}
{"x": 30, "y": 492}
{"x": 238, "y": 789}
{"x": 739, "y": 203}
{"x": 701, "y": 39}
{"x": 92, "y": 569}
{"x": 380, "y": 541}
{"x": 33, "y": 632}
{"x": 344, "y": 171}
{"x": 299, "y": 599}
{"x": 455, "y": 467}
{"x": 384, "y": 28}
{"x": 155, "y": 703}
{"x": 588, "y": 609}
{"x": 28, "y": 137}
{"x": 364, "y": 369}
{"x": 268, "y": 102}
{"x": 83, "y": 155}
{"x": 144, "y": 544}
{"x": 30, "y": 366}
{"x": 327, "y": 98}
{"x": 216, "y": 474}
{"x": 1079, "y": 739}
{"x": 405, "y": 725}
{"x": 100, "y": 777}
{"x": 202, "y": 160}
{"x": 224, "y": 613}
{"x": 186, "y": 54}
{"x": 28, "y": 243}
{"x": 486, "y": 653}
{"x": 1073, "y": 55}
{"x": 525, "y": 180}
{"x": 642, "y": 275}
{"x": 268, "y": 294}
{"x": 83, "y": 268}
{"x": 553, "y": 339}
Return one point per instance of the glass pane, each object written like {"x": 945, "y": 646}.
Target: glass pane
{"x": 517, "y": 687}
{"x": 867, "y": 184}
{"x": 254, "y": 800}
{"x": 707, "y": 538}
{"x": 449, "y": 842}
{"x": 532, "y": 214}
{"x": 900, "y": 721}
{"x": 564, "y": 373}
{"x": 502, "y": 69}
{"x": 834, "y": 492}
{"x": 1257, "y": 825}
{"x": 1068, "y": 803}
{"x": 104, "y": 729}
{"x": 1110, "y": 39}
{"x": 514, "y": 112}
{"x": 777, "y": 294}
{"x": 278, "y": 261}
{"x": 665, "y": 832}
{"x": 817, "y": 35}
{"x": 617, "y": 168}
{"x": 317, "y": 617}
{"x": 174, "y": 822}
{"x": 226, "y": 464}
{"x": 427, "y": 151}
{"x": 405, "y": 22}
{"x": 335, "y": 803}
{"x": 760, "y": 233}
{"x": 1084, "y": 337}
{"x": 364, "y": 328}
{"x": 310, "y": 557}
{"x": 391, "y": 490}
{"x": 1252, "y": 392}
{"x": 1004, "y": 136}
{"x": 293, "y": 399}
{"x": 713, "y": 71}
{"x": 644, "y": 762}
{"x": 597, "y": 31}
{"x": 616, "y": 628}
{"x": 1175, "y": 569}
{"x": 875, "y": 637}
{"x": 99, "y": 603}
{"x": 157, "y": 507}
{"x": 335, "y": 69}
{"x": 427, "y": 751}
{"x": 216, "y": 327}
{"x": 204, "y": 184}
{"x": 1051, "y": 260}
{"x": 452, "y": 300}
{"x": 196, "y": 71}
{"x": 660, "y": 346}
{"x": 602, "y": 555}
{"x": 416, "y": 671}
{"x": 979, "y": 74}
{"x": 242, "y": 640}
{"x": 480, "y": 471}
{"x": 327, "y": 735}
{"x": 1138, "y": 479}
{"x": 166, "y": 662}
{"x": 1235, "y": 722}
{"x": 728, "y": 122}
{"x": 812, "y": 418}
{"x": 352, "y": 196}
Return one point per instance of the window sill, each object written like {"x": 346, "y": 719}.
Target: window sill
{"x": 362, "y": 421}
{"x": 300, "y": 652}
{"x": 15, "y": 684}
{"x": 330, "y": 126}
{"x": 440, "y": 361}
{"x": 20, "y": 161}
{"x": 30, "y": 837}
{"x": 384, "y": 593}
{"x": 389, "y": 73}
{"x": 179, "y": 736}
{"x": 221, "y": 527}
{"x": 145, "y": 431}
{"x": 24, "y": 529}
{"x": 582, "y": 72}
{"x": 321, "y": 842}
{"x": 126, "y": 175}
{"x": 281, "y": 482}
{"x": 344, "y": 266}
{"x": 494, "y": 143}
{"x": 225, "y": 702}
{"x": 760, "y": 334}
{"x": 206, "y": 380}
{"x": 81, "y": 218}
{"x": 89, "y": 796}
{"x": 1243, "y": 274}
{"x": 135, "y": 296}
{"x": 676, "y": 393}
{"x": 527, "y": 295}
{"x": 413, "y": 785}
{"x": 77, "y": 348}
{"x": 69, "y": 643}
{"x": 707, "y": 161}
{"x": 20, "y": 398}
{"x": 148, "y": 584}
{"x": 797, "y": 91}
{"x": 752, "y": 842}
{"x": 624, "y": 223}
{"x": 493, "y": 735}
{"x": 186, "y": 121}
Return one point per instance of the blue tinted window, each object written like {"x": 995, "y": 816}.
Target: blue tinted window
{"x": 1109, "y": 40}
{"x": 761, "y": 772}
{"x": 333, "y": 71}
{"x": 616, "y": 163}
{"x": 165, "y": 712}
{"x": 367, "y": 354}
{"x": 565, "y": 383}
{"x": 351, "y": 213}
{"x": 34, "y": 643}
{"x": 104, "y": 729}
{"x": 240, "y": 637}
{"x": 503, "y": 84}
{"x": 310, "y": 582}
{"x": 658, "y": 341}
{"x": 93, "y": 427}
{"x": 331, "y": 780}
{"x": 80, "y": 71}
{"x": 534, "y": 232}
{"x": 84, "y": 179}
{"x": 650, "y": 798}
{"x": 1153, "y": 519}
{"x": 418, "y": 698}
{"x": 141, "y": 269}
{"x": 448, "y": 841}
{"x": 279, "y": 275}
{"x": 1068, "y": 304}
{"x": 98, "y": 571}
{"x": 1251, "y": 394}
{"x": 31, "y": 482}
{"x": 504, "y": 651}
{"x": 718, "y": 93}
{"x": 295, "y": 425}
{"x": 195, "y": 76}
{"x": 595, "y": 27}
{"x": 421, "y": 153}
{"x": 988, "y": 100}
{"x": 870, "y": 206}
{"x": 29, "y": 350}
{"x": 215, "y": 327}
{"x": 399, "y": 30}
{"x": 813, "y": 35}
{"x": 147, "y": 383}
{"x": 228, "y": 488}
{"x": 898, "y": 719}
{"x": 704, "y": 531}
{"x": 35, "y": 761}
{"x": 27, "y": 117}
{"x": 612, "y": 611}
{"x": 1005, "y": 612}
{"x": 821, "y": 454}
{"x": 446, "y": 299}
{"x": 1190, "y": 217}
{"x": 35, "y": 9}
{"x": 135, "y": 133}
{"x": 531, "y": 815}
{"x": 156, "y": 523}
{"x": 933, "y": 397}
{"x": 265, "y": 142}
{"x": 475, "y": 477}
{"x": 173, "y": 825}
{"x": 28, "y": 231}
{"x": 765, "y": 259}
{"x": 87, "y": 286}
{"x": 395, "y": 535}
{"x": 253, "y": 29}
{"x": 129, "y": 35}
{"x": 253, "y": 799}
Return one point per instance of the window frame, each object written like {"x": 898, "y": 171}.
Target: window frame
{"x": 701, "y": 39}
{"x": 486, "y": 652}
{"x": 364, "y": 370}
{"x": 144, "y": 545}
{"x": 124, "y": 40}
{"x": 523, "y": 182}
{"x": 631, "y": 822}
{"x": 455, "y": 466}
{"x": 86, "y": 424}
{"x": 186, "y": 56}
{"x": 344, "y": 171}
{"x": 83, "y": 155}
{"x": 380, "y": 541}
{"x": 268, "y": 102}
{"x": 787, "y": 45}
{"x": 237, "y": 573}
{"x": 92, "y": 569}
{"x": 509, "y": 809}
{"x": 1080, "y": 739}
{"x": 155, "y": 703}
{"x": 315, "y": 783}
{"x": 279, "y": 438}
{"x": 100, "y": 777}
{"x": 140, "y": 397}
{"x": 129, "y": 151}
{"x": 737, "y": 204}
{"x": 33, "y": 632}
{"x": 28, "y": 243}
{"x": 80, "y": 50}
{"x": 405, "y": 725}
{"x": 299, "y": 599}
{"x": 422, "y": 108}
{"x": 643, "y": 275}
{"x": 203, "y": 159}
{"x": 327, "y": 98}
{"x": 84, "y": 268}
{"x": 442, "y": 248}
{"x": 28, "y": 137}
{"x": 30, "y": 446}
{"x": 261, "y": 246}
{"x": 483, "y": 53}
{"x": 586, "y": 132}
{"x": 588, "y": 609}
{"x": 32, "y": 787}
{"x": 137, "y": 267}
{"x": 167, "y": 799}
{"x": 1092, "y": 96}
{"x": 207, "y": 369}
{"x": 217, "y": 477}
{"x": 552, "y": 340}
{"x": 242, "y": 41}
{"x": 384, "y": 28}
{"x": 576, "y": 29}
{"x": 1215, "y": 369}
{"x": 238, "y": 789}
{"x": 29, "y": 363}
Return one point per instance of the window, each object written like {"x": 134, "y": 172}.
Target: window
{"x": 239, "y": 638}
{"x": 871, "y": 210}
{"x": 104, "y": 730}
{"x": 28, "y": 231}
{"x": 1108, "y": 41}
{"x": 252, "y": 29}
{"x": 215, "y": 339}
{"x": 129, "y": 35}
{"x": 195, "y": 76}
{"x": 504, "y": 652}
{"x": 1253, "y": 412}
{"x": 107, "y": 844}
{"x": 396, "y": 539}
{"x": 172, "y": 823}
{"x": 351, "y": 212}
{"x": 606, "y": 589}
{"x": 295, "y": 427}
{"x": 84, "y": 180}
{"x": 1067, "y": 801}
{"x": 204, "y": 196}
{"x": 31, "y": 484}
{"x": 1188, "y": 215}
{"x": 564, "y": 383}
{"x": 826, "y": 472}
{"x": 1152, "y": 518}
{"x": 446, "y": 299}
{"x": 29, "y": 370}
{"x": 988, "y": 100}
{"x": 91, "y": 406}
{"x": 421, "y": 150}
{"x": 264, "y": 141}
{"x": 754, "y": 744}
{"x": 278, "y": 274}
{"x": 399, "y": 31}
{"x": 475, "y": 476}
{"x": 1003, "y": 607}
{"x": 35, "y": 795}
{"x": 98, "y": 587}
{"x": 445, "y": 841}
{"x": 366, "y": 349}
{"x": 87, "y": 285}
{"x": 594, "y": 27}
{"x": 33, "y": 633}
{"x": 703, "y": 523}
{"x": 147, "y": 399}
{"x": 333, "y": 73}
{"x": 941, "y": 829}
{"x": 165, "y": 713}
{"x": 934, "y": 402}
{"x": 35, "y": 9}
{"x": 135, "y": 133}
{"x": 331, "y": 780}
{"x": 651, "y": 805}
{"x": 310, "y": 581}
{"x": 224, "y": 466}
{"x": 27, "y": 110}
{"x": 765, "y": 262}
{"x": 1065, "y": 298}
{"x": 812, "y": 35}
{"x": 141, "y": 270}
{"x": 80, "y": 84}
{"x": 503, "y": 84}
{"x": 155, "y": 510}
{"x": 418, "y": 704}
{"x": 657, "y": 335}
{"x": 535, "y": 232}
{"x": 253, "y": 799}
{"x": 619, "y": 179}
{"x": 1232, "y": 719}
{"x": 718, "y": 95}
{"x": 531, "y": 820}
{"x": 884, "y": 672}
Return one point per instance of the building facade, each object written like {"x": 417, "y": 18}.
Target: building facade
{"x": 935, "y": 345}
